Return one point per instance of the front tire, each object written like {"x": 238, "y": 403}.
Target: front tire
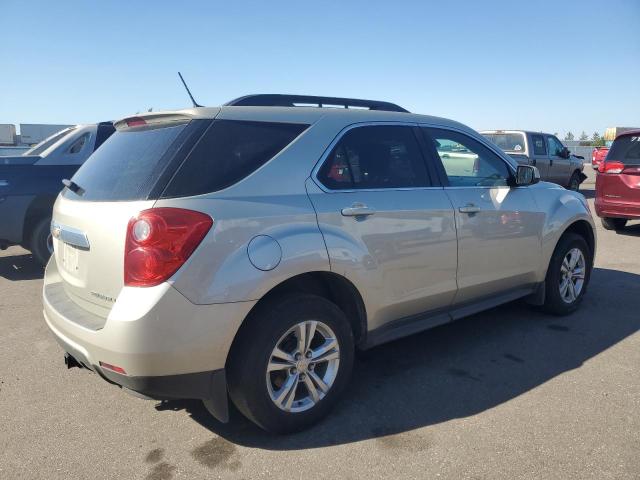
{"x": 40, "y": 242}
{"x": 568, "y": 275}
{"x": 613, "y": 223}
{"x": 290, "y": 363}
{"x": 574, "y": 182}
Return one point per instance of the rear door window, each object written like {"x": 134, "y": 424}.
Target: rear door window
{"x": 626, "y": 149}
{"x": 229, "y": 151}
{"x": 539, "y": 148}
{"x": 79, "y": 144}
{"x": 374, "y": 157}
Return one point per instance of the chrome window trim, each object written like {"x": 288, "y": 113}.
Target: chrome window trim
{"x": 478, "y": 137}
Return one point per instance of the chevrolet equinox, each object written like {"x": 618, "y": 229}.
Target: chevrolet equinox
{"x": 245, "y": 252}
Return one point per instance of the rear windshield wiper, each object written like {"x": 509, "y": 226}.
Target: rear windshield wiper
{"x": 73, "y": 186}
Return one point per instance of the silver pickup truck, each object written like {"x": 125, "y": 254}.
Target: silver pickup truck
{"x": 554, "y": 161}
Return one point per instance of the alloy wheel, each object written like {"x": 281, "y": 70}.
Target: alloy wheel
{"x": 303, "y": 366}
{"x": 572, "y": 275}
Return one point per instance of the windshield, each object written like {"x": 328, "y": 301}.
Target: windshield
{"x": 509, "y": 142}
{"x": 47, "y": 142}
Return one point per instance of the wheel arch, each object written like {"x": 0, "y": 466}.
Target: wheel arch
{"x": 331, "y": 286}
{"x": 585, "y": 230}
{"x": 39, "y": 208}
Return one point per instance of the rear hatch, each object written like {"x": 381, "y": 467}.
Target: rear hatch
{"x": 619, "y": 177}
{"x": 124, "y": 176}
{"x": 150, "y": 158}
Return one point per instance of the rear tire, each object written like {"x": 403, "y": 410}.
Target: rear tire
{"x": 40, "y": 242}
{"x": 256, "y": 380}
{"x": 614, "y": 223}
{"x": 568, "y": 275}
{"x": 574, "y": 182}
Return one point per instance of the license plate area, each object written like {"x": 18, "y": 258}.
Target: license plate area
{"x": 70, "y": 257}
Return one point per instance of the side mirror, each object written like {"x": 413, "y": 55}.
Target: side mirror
{"x": 527, "y": 175}
{"x": 565, "y": 153}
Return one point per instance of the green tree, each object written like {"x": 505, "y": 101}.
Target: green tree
{"x": 584, "y": 136}
{"x": 569, "y": 136}
{"x": 597, "y": 140}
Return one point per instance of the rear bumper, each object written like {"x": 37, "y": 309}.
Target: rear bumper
{"x": 201, "y": 385}
{"x": 616, "y": 210}
{"x": 211, "y": 386}
{"x": 168, "y": 346}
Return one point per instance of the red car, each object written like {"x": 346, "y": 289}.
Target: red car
{"x": 598, "y": 155}
{"x": 618, "y": 182}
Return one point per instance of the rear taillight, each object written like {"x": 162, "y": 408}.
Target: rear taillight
{"x": 158, "y": 243}
{"x": 611, "y": 167}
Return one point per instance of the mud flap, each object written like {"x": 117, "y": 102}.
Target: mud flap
{"x": 218, "y": 404}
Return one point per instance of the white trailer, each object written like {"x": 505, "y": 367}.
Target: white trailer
{"x": 7, "y": 134}
{"x": 32, "y": 133}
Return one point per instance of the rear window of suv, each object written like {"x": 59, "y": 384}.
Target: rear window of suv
{"x": 229, "y": 151}
{"x": 626, "y": 149}
{"x": 127, "y": 166}
{"x": 188, "y": 159}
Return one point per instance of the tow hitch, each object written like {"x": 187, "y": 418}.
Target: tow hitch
{"x": 71, "y": 362}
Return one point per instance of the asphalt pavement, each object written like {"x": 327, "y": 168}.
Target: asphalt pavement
{"x": 510, "y": 393}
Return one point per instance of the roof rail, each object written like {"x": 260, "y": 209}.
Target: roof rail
{"x": 277, "y": 100}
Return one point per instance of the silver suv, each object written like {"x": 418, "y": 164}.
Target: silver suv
{"x": 246, "y": 251}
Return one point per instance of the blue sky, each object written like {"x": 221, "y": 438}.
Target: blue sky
{"x": 546, "y": 65}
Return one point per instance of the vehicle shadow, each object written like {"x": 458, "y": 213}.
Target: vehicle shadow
{"x": 20, "y": 267}
{"x": 630, "y": 230}
{"x": 588, "y": 192}
{"x": 455, "y": 370}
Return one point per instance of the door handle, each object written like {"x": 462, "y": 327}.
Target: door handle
{"x": 469, "y": 208}
{"x": 357, "y": 210}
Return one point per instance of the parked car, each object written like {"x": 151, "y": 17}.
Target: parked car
{"x": 185, "y": 267}
{"x": 29, "y": 184}
{"x": 554, "y": 161}
{"x": 598, "y": 155}
{"x": 618, "y": 182}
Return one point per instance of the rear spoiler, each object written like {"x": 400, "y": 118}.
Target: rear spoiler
{"x": 151, "y": 120}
